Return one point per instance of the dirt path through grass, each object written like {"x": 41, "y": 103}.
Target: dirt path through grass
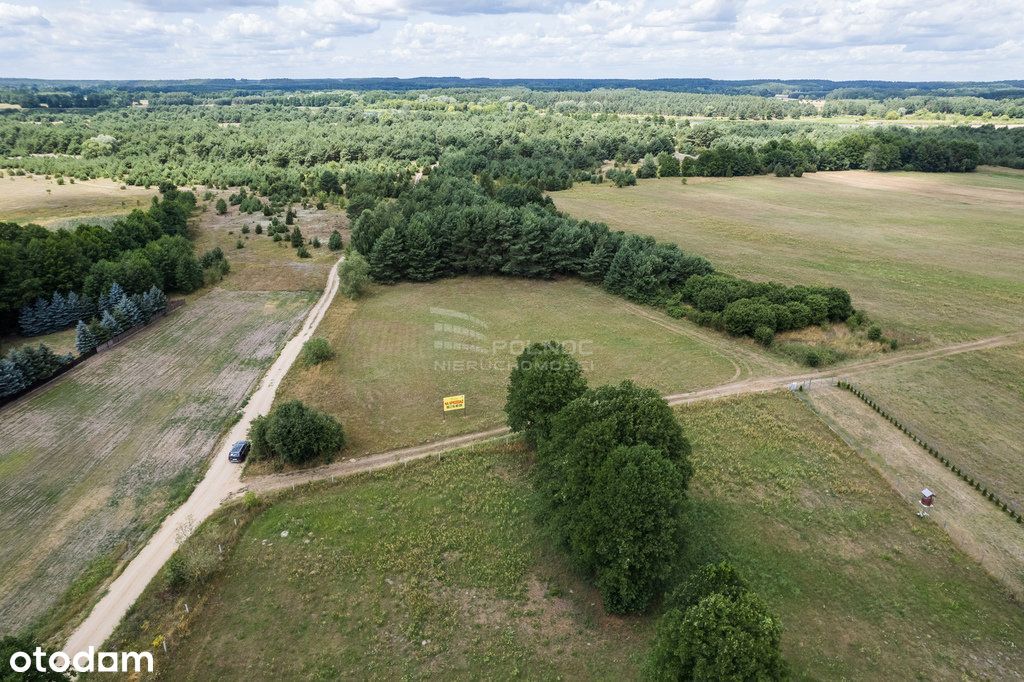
{"x": 975, "y": 525}
{"x": 221, "y": 480}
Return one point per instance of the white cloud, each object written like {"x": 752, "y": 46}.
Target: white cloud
{"x": 864, "y": 39}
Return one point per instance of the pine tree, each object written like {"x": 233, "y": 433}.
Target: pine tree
{"x": 56, "y": 312}
{"x": 297, "y": 240}
{"x": 85, "y": 341}
{"x": 12, "y": 380}
{"x": 422, "y": 254}
{"x": 334, "y": 243}
{"x": 159, "y": 299}
{"x": 387, "y": 260}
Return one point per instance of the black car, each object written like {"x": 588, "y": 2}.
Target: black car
{"x": 239, "y": 451}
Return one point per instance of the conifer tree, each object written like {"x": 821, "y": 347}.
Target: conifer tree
{"x": 387, "y": 259}
{"x": 85, "y": 340}
{"x": 12, "y": 380}
{"x": 111, "y": 324}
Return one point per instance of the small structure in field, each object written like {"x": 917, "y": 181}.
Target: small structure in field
{"x": 927, "y": 498}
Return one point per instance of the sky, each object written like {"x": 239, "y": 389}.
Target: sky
{"x": 728, "y": 39}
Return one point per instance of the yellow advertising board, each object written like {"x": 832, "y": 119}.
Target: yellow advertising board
{"x": 454, "y": 402}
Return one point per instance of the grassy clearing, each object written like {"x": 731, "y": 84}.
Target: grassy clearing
{"x": 437, "y": 570}
{"x": 865, "y": 589}
{"x": 969, "y": 406}
{"x": 887, "y": 237}
{"x": 263, "y": 264}
{"x": 89, "y": 465}
{"x": 34, "y": 199}
{"x": 404, "y": 348}
{"x": 60, "y": 342}
{"x": 429, "y": 570}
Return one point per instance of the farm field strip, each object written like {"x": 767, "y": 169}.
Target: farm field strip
{"x": 969, "y": 408}
{"x": 886, "y": 237}
{"x": 219, "y": 482}
{"x": 976, "y": 526}
{"x": 92, "y": 462}
{"x": 403, "y": 348}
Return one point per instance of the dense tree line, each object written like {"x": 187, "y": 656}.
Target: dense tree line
{"x": 449, "y": 225}
{"x": 144, "y": 250}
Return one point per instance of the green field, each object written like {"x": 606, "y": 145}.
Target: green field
{"x": 437, "y": 570}
{"x": 92, "y": 462}
{"x": 404, "y": 348}
{"x": 970, "y": 407}
{"x": 931, "y": 256}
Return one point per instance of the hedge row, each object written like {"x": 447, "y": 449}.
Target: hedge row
{"x": 970, "y": 479}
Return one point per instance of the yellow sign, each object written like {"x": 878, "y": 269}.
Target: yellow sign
{"x": 454, "y": 402}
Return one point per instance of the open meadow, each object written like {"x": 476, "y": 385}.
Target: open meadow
{"x": 89, "y": 464}
{"x": 438, "y": 569}
{"x": 263, "y": 264}
{"x": 970, "y": 407}
{"x": 400, "y": 350}
{"x": 35, "y": 199}
{"x": 933, "y": 257}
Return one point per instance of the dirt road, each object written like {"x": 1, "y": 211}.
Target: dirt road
{"x": 221, "y": 481}
{"x": 274, "y": 482}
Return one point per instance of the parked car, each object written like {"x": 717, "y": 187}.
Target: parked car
{"x": 239, "y": 451}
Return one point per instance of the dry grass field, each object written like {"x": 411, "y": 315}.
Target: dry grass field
{"x": 34, "y": 199}
{"x": 263, "y": 264}
{"x": 89, "y": 465}
{"x": 970, "y": 407}
{"x": 438, "y": 570}
{"x": 403, "y": 348}
{"x": 932, "y": 256}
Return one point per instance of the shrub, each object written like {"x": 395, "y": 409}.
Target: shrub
{"x": 720, "y": 578}
{"x": 763, "y": 335}
{"x": 303, "y": 252}
{"x": 296, "y": 434}
{"x": 315, "y": 351}
{"x": 875, "y": 332}
{"x": 221, "y": 207}
{"x": 354, "y": 273}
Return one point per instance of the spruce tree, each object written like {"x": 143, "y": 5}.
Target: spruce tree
{"x": 296, "y": 238}
{"x": 387, "y": 260}
{"x": 111, "y": 324}
{"x": 85, "y": 341}
{"x": 12, "y": 380}
{"x": 27, "y": 320}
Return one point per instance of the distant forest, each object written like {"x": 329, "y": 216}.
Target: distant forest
{"x": 796, "y": 88}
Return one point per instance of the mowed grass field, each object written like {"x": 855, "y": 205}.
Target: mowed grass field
{"x": 34, "y": 199}
{"x": 437, "y": 570}
{"x": 403, "y": 348}
{"x": 91, "y": 463}
{"x": 931, "y": 256}
{"x": 970, "y": 407}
